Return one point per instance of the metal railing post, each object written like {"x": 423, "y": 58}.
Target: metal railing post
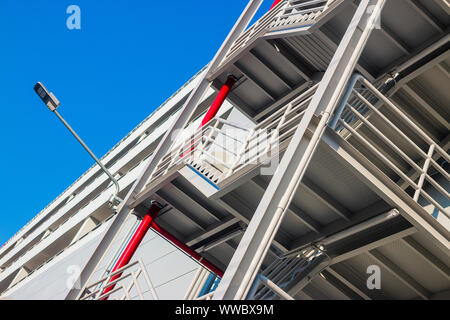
{"x": 424, "y": 172}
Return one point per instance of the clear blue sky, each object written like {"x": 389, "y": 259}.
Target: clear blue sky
{"x": 128, "y": 57}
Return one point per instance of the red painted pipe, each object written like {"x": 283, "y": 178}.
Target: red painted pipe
{"x": 223, "y": 93}
{"x": 187, "y": 250}
{"x": 133, "y": 245}
{"x": 274, "y": 4}
{"x": 215, "y": 107}
{"x": 147, "y": 223}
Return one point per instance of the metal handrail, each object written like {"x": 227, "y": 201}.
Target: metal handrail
{"x": 196, "y": 145}
{"x": 89, "y": 292}
{"x": 284, "y": 14}
{"x": 420, "y": 167}
{"x": 275, "y": 131}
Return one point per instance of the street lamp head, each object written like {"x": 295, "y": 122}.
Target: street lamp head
{"x": 47, "y": 97}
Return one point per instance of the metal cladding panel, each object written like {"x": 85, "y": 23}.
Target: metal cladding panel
{"x": 170, "y": 270}
{"x": 115, "y": 246}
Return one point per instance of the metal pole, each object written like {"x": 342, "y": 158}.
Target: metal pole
{"x": 115, "y": 199}
{"x": 208, "y": 285}
{"x": 222, "y": 95}
{"x": 272, "y": 286}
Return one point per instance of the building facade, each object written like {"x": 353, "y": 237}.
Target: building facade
{"x": 323, "y": 175}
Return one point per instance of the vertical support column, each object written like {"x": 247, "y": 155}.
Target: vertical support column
{"x": 266, "y": 221}
{"x": 164, "y": 146}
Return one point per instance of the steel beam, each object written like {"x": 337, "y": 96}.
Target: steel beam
{"x": 400, "y": 274}
{"x": 295, "y": 211}
{"x": 266, "y": 221}
{"x": 327, "y": 199}
{"x": 347, "y": 283}
{"x": 255, "y": 81}
{"x": 271, "y": 69}
{"x": 388, "y": 190}
{"x": 427, "y": 15}
{"x": 431, "y": 259}
{"x": 290, "y": 57}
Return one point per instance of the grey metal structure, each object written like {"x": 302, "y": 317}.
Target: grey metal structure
{"x": 329, "y": 160}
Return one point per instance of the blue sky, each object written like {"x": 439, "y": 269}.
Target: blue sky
{"x": 128, "y": 57}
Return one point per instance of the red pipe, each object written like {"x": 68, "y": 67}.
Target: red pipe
{"x": 223, "y": 93}
{"x": 133, "y": 245}
{"x": 187, "y": 249}
{"x": 274, "y": 4}
{"x": 215, "y": 107}
{"x": 147, "y": 223}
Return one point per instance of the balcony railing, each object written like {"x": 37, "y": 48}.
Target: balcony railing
{"x": 211, "y": 150}
{"x": 395, "y": 144}
{"x": 78, "y": 190}
{"x": 221, "y": 148}
{"x": 133, "y": 271}
{"x": 288, "y": 13}
{"x": 271, "y": 136}
{"x": 366, "y": 119}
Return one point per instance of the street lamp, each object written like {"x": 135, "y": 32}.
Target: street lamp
{"x": 52, "y": 103}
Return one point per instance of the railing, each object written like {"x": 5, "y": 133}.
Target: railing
{"x": 263, "y": 142}
{"x": 392, "y": 141}
{"x": 96, "y": 180}
{"x": 198, "y": 282}
{"x": 287, "y": 13}
{"x": 208, "y": 296}
{"x": 96, "y": 290}
{"x": 273, "y": 134}
{"x": 283, "y": 273}
{"x": 210, "y": 150}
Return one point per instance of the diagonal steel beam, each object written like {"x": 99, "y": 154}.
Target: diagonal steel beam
{"x": 400, "y": 274}
{"x": 267, "y": 219}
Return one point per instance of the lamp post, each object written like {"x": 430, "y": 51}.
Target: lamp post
{"x": 52, "y": 103}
